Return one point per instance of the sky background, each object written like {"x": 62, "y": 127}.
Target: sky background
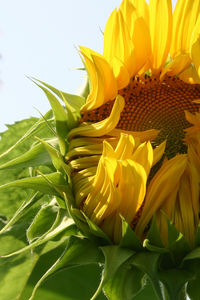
{"x": 39, "y": 38}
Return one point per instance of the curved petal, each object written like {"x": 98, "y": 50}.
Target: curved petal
{"x": 103, "y": 83}
{"x": 103, "y": 127}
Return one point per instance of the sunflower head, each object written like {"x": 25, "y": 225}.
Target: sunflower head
{"x": 120, "y": 165}
{"x": 135, "y": 153}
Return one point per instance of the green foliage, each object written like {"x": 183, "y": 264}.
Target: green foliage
{"x": 51, "y": 250}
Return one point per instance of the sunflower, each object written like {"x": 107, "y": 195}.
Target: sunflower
{"x": 136, "y": 151}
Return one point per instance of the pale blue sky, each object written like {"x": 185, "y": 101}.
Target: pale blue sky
{"x": 39, "y": 38}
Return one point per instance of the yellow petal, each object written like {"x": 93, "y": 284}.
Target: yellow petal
{"x": 132, "y": 188}
{"x": 195, "y": 54}
{"x": 142, "y": 9}
{"x": 160, "y": 13}
{"x": 190, "y": 75}
{"x": 144, "y": 155}
{"x": 194, "y": 187}
{"x": 127, "y": 9}
{"x": 158, "y": 152}
{"x": 103, "y": 127}
{"x": 120, "y": 72}
{"x": 184, "y": 19}
{"x": 139, "y": 33}
{"x": 147, "y": 135}
{"x": 103, "y": 83}
{"x": 84, "y": 162}
{"x": 162, "y": 184}
{"x": 125, "y": 147}
{"x": 186, "y": 209}
{"x": 117, "y": 41}
{"x": 176, "y": 66}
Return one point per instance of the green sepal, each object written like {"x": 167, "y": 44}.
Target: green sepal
{"x": 115, "y": 256}
{"x": 61, "y": 118}
{"x": 197, "y": 236}
{"x": 125, "y": 284}
{"x": 80, "y": 222}
{"x": 177, "y": 244}
{"x": 79, "y": 251}
{"x": 56, "y": 158}
{"x": 154, "y": 235}
{"x": 74, "y": 101}
{"x": 148, "y": 262}
{"x": 153, "y": 240}
{"x": 96, "y": 230}
{"x": 193, "y": 288}
{"x": 174, "y": 281}
{"x": 194, "y": 254}
{"x": 147, "y": 244}
{"x": 129, "y": 238}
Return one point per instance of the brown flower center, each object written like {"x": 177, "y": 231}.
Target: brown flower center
{"x": 154, "y": 104}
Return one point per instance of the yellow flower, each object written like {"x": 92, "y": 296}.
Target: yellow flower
{"x": 136, "y": 152}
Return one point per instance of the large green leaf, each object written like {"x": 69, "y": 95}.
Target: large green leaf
{"x": 15, "y": 271}
{"x": 14, "y": 142}
{"x": 36, "y": 156}
{"x": 79, "y": 251}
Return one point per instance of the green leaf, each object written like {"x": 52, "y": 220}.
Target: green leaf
{"x": 67, "y": 226}
{"x": 129, "y": 238}
{"x": 22, "y": 210}
{"x": 78, "y": 252}
{"x": 42, "y": 222}
{"x": 41, "y": 184}
{"x": 18, "y": 135}
{"x": 114, "y": 258}
{"x": 14, "y": 273}
{"x": 125, "y": 284}
{"x": 36, "y": 156}
{"x": 70, "y": 284}
{"x": 14, "y": 142}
